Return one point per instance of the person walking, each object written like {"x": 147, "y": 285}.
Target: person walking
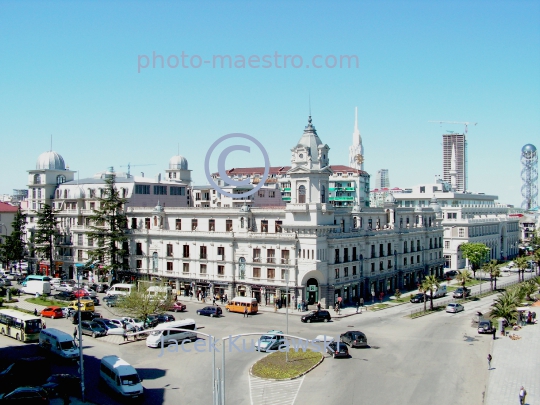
{"x": 361, "y": 301}
{"x": 494, "y": 332}
{"x": 489, "y": 358}
{"x": 125, "y": 332}
{"x": 522, "y": 395}
{"x": 318, "y": 306}
{"x": 35, "y": 311}
{"x": 245, "y": 312}
{"x": 75, "y": 333}
{"x": 357, "y": 306}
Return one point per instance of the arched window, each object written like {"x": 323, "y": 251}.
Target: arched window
{"x": 323, "y": 195}
{"x": 155, "y": 261}
{"x": 60, "y": 179}
{"x": 301, "y": 195}
{"x": 37, "y": 179}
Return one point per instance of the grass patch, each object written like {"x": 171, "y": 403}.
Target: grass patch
{"x": 274, "y": 365}
{"x": 376, "y": 307}
{"x": 426, "y": 312}
{"x": 47, "y": 302}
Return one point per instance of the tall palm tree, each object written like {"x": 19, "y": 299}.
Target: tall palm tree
{"x": 528, "y": 288}
{"x": 430, "y": 284}
{"x": 491, "y": 267}
{"x": 536, "y": 258}
{"x": 522, "y": 263}
{"x": 504, "y": 309}
{"x": 463, "y": 277}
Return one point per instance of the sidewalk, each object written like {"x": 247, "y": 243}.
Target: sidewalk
{"x": 515, "y": 364}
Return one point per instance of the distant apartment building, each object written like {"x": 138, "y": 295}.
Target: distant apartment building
{"x": 382, "y": 180}
{"x": 455, "y": 145}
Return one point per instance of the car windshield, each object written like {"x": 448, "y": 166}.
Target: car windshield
{"x": 136, "y": 320}
{"x": 131, "y": 379}
{"x": 266, "y": 338}
{"x": 67, "y": 345}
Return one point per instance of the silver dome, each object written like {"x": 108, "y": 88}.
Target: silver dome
{"x": 178, "y": 163}
{"x": 50, "y": 160}
{"x": 529, "y": 148}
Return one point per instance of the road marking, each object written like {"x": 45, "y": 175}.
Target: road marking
{"x": 266, "y": 392}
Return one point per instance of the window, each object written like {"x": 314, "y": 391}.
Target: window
{"x": 412, "y": 259}
{"x": 221, "y": 253}
{"x": 405, "y": 249}
{"x": 203, "y": 269}
{"x": 346, "y": 272}
{"x": 283, "y": 273}
{"x": 142, "y": 189}
{"x": 211, "y": 225}
{"x": 92, "y": 206}
{"x": 138, "y": 264}
{"x": 418, "y": 245}
{"x": 169, "y": 266}
{"x": 370, "y": 223}
{"x": 336, "y": 273}
{"x": 147, "y": 223}
{"x": 221, "y": 270}
{"x": 138, "y": 249}
{"x": 354, "y": 270}
{"x": 461, "y": 232}
{"x": 389, "y": 264}
{"x": 90, "y": 242}
{"x": 193, "y": 224}
{"x": 264, "y": 226}
{"x": 202, "y": 251}
{"x": 336, "y": 255}
{"x": 185, "y": 267}
{"x": 228, "y": 225}
{"x": 381, "y": 266}
{"x": 301, "y": 195}
{"x": 133, "y": 223}
{"x": 412, "y": 246}
{"x": 160, "y": 190}
{"x": 185, "y": 251}
{"x": 278, "y": 226}
{"x": 169, "y": 250}
{"x": 354, "y": 256}
{"x": 256, "y": 272}
{"x": 271, "y": 194}
{"x": 79, "y": 255}
{"x": 177, "y": 190}
{"x": 270, "y": 256}
{"x": 389, "y": 247}
{"x": 372, "y": 251}
{"x": 261, "y": 193}
{"x": 381, "y": 250}
{"x": 178, "y": 224}
{"x": 256, "y": 255}
{"x": 451, "y": 215}
{"x": 372, "y": 267}
{"x": 404, "y": 261}
{"x": 345, "y": 255}
{"x": 80, "y": 239}
{"x": 284, "y": 257}
{"x": 418, "y": 259}
{"x": 271, "y": 273}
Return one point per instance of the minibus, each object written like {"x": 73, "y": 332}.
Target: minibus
{"x": 162, "y": 332}
{"x": 40, "y": 287}
{"x": 239, "y": 304}
{"x": 120, "y": 289}
{"x": 120, "y": 376}
{"x": 58, "y": 342}
{"x": 35, "y": 277}
{"x": 86, "y": 305}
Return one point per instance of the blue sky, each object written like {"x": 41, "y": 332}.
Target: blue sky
{"x": 70, "y": 69}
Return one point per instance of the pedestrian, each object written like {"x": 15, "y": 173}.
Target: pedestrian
{"x": 494, "y": 331}
{"x": 245, "y": 312}
{"x": 357, "y": 306}
{"x": 44, "y": 326}
{"x": 318, "y": 306}
{"x": 489, "y": 358}
{"x": 361, "y": 301}
{"x": 75, "y": 333}
{"x": 35, "y": 311}
{"x": 214, "y": 300}
{"x": 522, "y": 395}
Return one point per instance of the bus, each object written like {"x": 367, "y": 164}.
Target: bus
{"x": 35, "y": 277}
{"x": 239, "y": 304}
{"x": 19, "y": 325}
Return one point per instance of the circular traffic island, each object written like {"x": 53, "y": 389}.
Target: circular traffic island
{"x": 276, "y": 367}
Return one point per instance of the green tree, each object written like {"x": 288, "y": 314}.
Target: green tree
{"x": 536, "y": 258}
{"x": 492, "y": 268}
{"x": 16, "y": 239}
{"x": 108, "y": 229}
{"x": 463, "y": 277}
{"x": 522, "y": 264}
{"x": 528, "y": 288}
{"x": 46, "y": 233}
{"x": 476, "y": 253}
{"x": 140, "y": 303}
{"x": 505, "y": 307}
{"x": 430, "y": 284}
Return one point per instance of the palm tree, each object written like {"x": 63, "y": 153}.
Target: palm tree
{"x": 522, "y": 263}
{"x": 463, "y": 277}
{"x": 423, "y": 289}
{"x": 504, "y": 309}
{"x": 430, "y": 284}
{"x": 536, "y": 258}
{"x": 528, "y": 288}
{"x": 492, "y": 268}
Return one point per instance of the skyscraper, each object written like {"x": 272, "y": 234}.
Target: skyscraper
{"x": 455, "y": 144}
{"x": 356, "y": 150}
{"x": 382, "y": 180}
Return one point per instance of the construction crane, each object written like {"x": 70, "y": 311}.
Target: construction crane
{"x": 456, "y": 122}
{"x": 129, "y": 165}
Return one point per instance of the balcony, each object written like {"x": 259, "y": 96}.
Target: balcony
{"x": 256, "y": 260}
{"x": 284, "y": 261}
{"x": 270, "y": 260}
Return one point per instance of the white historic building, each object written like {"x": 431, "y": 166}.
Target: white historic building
{"x": 244, "y": 248}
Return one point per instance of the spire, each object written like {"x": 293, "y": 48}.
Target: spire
{"x": 357, "y": 139}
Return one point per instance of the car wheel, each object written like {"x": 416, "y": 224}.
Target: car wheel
{"x": 18, "y": 337}
{"x": 211, "y": 315}
{"x": 93, "y": 334}
{"x": 308, "y": 320}
{"x": 326, "y": 320}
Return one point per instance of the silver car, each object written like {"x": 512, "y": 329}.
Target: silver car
{"x": 454, "y": 307}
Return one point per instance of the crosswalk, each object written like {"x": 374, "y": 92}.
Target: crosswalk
{"x": 265, "y": 392}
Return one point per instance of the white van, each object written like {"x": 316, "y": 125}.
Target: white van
{"x": 37, "y": 287}
{"x": 439, "y": 292}
{"x": 120, "y": 289}
{"x": 161, "y": 332}
{"x": 120, "y": 376}
{"x": 163, "y": 292}
{"x": 58, "y": 342}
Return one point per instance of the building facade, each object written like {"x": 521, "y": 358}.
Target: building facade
{"x": 455, "y": 145}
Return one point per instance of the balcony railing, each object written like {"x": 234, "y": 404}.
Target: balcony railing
{"x": 270, "y": 260}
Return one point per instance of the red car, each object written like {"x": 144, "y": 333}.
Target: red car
{"x": 177, "y": 306}
{"x": 52, "y": 312}
{"x": 80, "y": 293}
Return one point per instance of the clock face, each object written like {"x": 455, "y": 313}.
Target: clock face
{"x": 300, "y": 155}
{"x": 359, "y": 158}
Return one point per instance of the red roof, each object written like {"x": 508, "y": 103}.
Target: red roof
{"x": 283, "y": 170}
{"x": 5, "y": 207}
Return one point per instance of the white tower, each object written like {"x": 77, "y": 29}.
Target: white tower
{"x": 453, "y": 171}
{"x": 356, "y": 150}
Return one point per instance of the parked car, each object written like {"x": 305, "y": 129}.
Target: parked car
{"x": 110, "y": 327}
{"x": 92, "y": 328}
{"x": 317, "y": 316}
{"x": 419, "y": 298}
{"x": 176, "y": 307}
{"x": 52, "y": 312}
{"x": 165, "y": 318}
{"x": 120, "y": 324}
{"x": 113, "y": 300}
{"x": 271, "y": 341}
{"x": 136, "y": 322}
{"x": 450, "y": 274}
{"x": 485, "y": 326}
{"x": 58, "y": 384}
{"x": 64, "y": 296}
{"x": 31, "y": 370}
{"x": 65, "y": 287}
{"x": 85, "y": 316}
{"x": 100, "y": 288}
{"x": 95, "y": 299}
{"x": 67, "y": 311}
{"x": 354, "y": 338}
{"x": 454, "y": 307}
{"x": 210, "y": 311}
{"x": 338, "y": 349}
{"x": 151, "y": 321}
{"x": 26, "y": 395}
{"x": 459, "y": 293}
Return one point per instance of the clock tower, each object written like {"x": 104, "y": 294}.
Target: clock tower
{"x": 356, "y": 150}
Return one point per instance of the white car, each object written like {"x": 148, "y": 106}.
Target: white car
{"x": 454, "y": 307}
{"x": 64, "y": 287}
{"x": 120, "y": 324}
{"x": 137, "y": 323}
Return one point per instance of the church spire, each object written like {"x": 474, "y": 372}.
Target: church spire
{"x": 356, "y": 150}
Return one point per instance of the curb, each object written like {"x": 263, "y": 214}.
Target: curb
{"x": 285, "y": 379}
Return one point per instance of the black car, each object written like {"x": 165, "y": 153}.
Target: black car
{"x": 317, "y": 316}
{"x": 65, "y": 296}
{"x": 338, "y": 349}
{"x": 85, "y": 316}
{"x": 96, "y": 300}
{"x": 450, "y": 274}
{"x": 151, "y": 321}
{"x": 165, "y": 318}
{"x": 210, "y": 311}
{"x": 93, "y": 329}
{"x": 354, "y": 338}
{"x": 26, "y": 395}
{"x": 485, "y": 326}
{"x": 418, "y": 298}
{"x": 58, "y": 384}
{"x": 100, "y": 288}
